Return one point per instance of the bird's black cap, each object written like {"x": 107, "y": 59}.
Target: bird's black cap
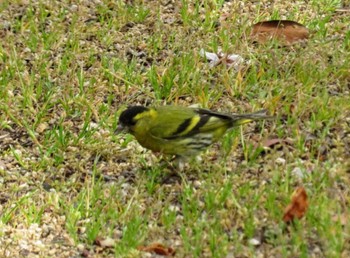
{"x": 127, "y": 116}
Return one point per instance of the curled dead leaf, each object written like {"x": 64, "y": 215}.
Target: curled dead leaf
{"x": 157, "y": 248}
{"x": 285, "y": 31}
{"x": 298, "y": 206}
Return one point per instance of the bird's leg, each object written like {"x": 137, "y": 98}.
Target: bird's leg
{"x": 164, "y": 161}
{"x": 175, "y": 166}
{"x": 176, "y": 163}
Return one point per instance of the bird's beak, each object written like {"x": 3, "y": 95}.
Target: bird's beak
{"x": 121, "y": 129}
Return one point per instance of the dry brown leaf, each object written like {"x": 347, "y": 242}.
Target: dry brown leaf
{"x": 268, "y": 143}
{"x": 272, "y": 143}
{"x": 287, "y": 32}
{"x": 298, "y": 206}
{"x": 158, "y": 249}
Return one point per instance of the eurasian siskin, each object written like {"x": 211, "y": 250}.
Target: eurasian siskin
{"x": 180, "y": 131}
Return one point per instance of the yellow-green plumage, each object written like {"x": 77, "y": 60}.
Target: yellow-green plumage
{"x": 181, "y": 131}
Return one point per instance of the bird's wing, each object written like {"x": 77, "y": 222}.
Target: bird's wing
{"x": 171, "y": 121}
{"x": 211, "y": 121}
{"x": 177, "y": 122}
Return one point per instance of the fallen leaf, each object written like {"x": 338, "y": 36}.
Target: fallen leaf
{"x": 213, "y": 58}
{"x": 271, "y": 142}
{"x": 287, "y": 32}
{"x": 231, "y": 60}
{"x": 158, "y": 249}
{"x": 298, "y": 206}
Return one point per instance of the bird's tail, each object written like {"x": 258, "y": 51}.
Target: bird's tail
{"x": 246, "y": 118}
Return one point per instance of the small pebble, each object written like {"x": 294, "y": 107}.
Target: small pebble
{"x": 197, "y": 184}
{"x": 280, "y": 161}
{"x": 254, "y": 242}
{"x": 80, "y": 247}
{"x": 74, "y": 8}
{"x": 298, "y": 173}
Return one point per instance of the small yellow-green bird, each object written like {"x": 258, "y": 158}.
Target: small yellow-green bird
{"x": 180, "y": 131}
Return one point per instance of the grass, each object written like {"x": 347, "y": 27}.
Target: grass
{"x": 68, "y": 70}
